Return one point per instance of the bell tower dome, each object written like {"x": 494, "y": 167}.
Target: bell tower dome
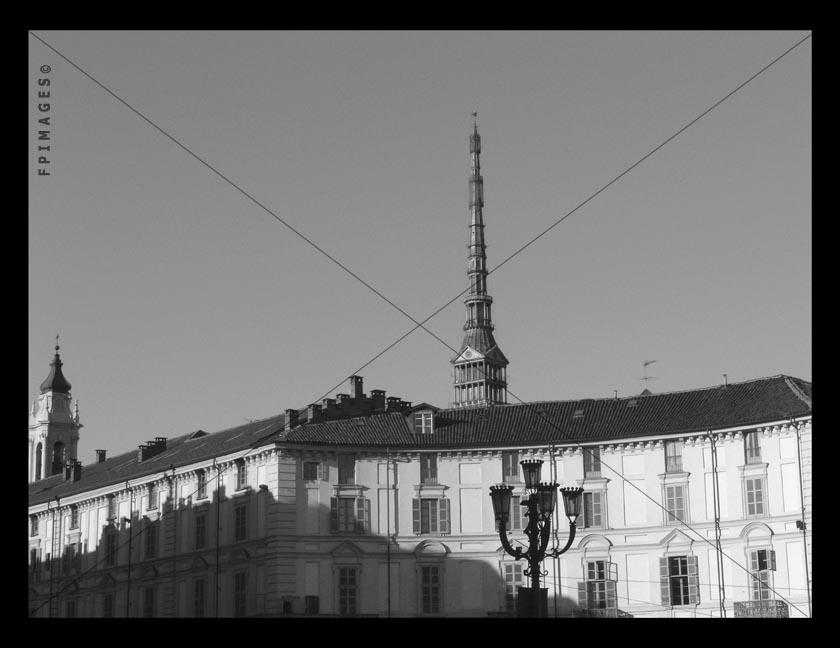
{"x": 53, "y": 424}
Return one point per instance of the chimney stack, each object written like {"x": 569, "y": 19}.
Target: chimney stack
{"x": 100, "y": 456}
{"x": 291, "y": 419}
{"x": 328, "y": 403}
{"x": 392, "y": 404}
{"x": 72, "y": 470}
{"x": 378, "y": 398}
{"x": 342, "y": 398}
{"x": 356, "y": 387}
{"x": 313, "y": 413}
{"x": 160, "y": 444}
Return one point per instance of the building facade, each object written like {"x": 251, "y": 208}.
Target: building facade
{"x": 696, "y": 503}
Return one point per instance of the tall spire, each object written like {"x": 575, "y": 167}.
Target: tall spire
{"x": 480, "y": 368}
{"x": 56, "y": 382}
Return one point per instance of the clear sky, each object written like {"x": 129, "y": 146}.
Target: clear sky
{"x": 182, "y": 305}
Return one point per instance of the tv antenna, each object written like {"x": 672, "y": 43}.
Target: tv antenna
{"x": 646, "y": 378}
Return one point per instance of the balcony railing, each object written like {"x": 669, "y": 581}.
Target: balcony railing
{"x": 603, "y": 613}
{"x": 770, "y": 609}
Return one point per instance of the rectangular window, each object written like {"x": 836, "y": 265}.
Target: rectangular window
{"x": 110, "y": 548}
{"x": 346, "y": 514}
{"x": 430, "y": 585}
{"x": 755, "y": 496}
{"x": 510, "y": 468}
{"x": 199, "y": 590}
{"x": 33, "y": 525}
{"x": 596, "y": 584}
{"x": 762, "y": 562}
{"x": 70, "y": 610}
{"x": 240, "y": 593}
{"x": 350, "y": 515}
{"x": 108, "y": 606}
{"x": 428, "y": 469}
{"x": 201, "y": 490}
{"x": 152, "y": 503}
{"x": 310, "y": 470}
{"x": 752, "y": 448}
{"x": 593, "y": 516}
{"x": 423, "y": 422}
{"x": 240, "y": 521}
{"x": 430, "y": 515}
{"x": 241, "y": 475}
{"x": 311, "y": 605}
{"x": 148, "y": 602}
{"x": 678, "y": 580}
{"x": 112, "y": 507}
{"x": 675, "y": 504}
{"x": 347, "y": 470}
{"x": 347, "y": 590}
{"x": 151, "y": 540}
{"x": 673, "y": 456}
{"x": 514, "y": 522}
{"x": 74, "y": 517}
{"x": 513, "y": 579}
{"x": 592, "y": 463}
{"x": 200, "y": 531}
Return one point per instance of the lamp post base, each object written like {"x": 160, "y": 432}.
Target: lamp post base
{"x": 532, "y": 603}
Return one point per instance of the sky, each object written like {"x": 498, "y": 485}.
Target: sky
{"x": 183, "y": 305}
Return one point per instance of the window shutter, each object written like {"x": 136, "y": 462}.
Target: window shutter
{"x": 772, "y": 560}
{"x": 323, "y": 471}
{"x": 612, "y": 571}
{"x": 582, "y": 595}
{"x": 693, "y": 584}
{"x": 612, "y": 597}
{"x": 664, "y": 582}
{"x": 415, "y": 509}
{"x": 444, "y": 515}
{"x": 333, "y": 515}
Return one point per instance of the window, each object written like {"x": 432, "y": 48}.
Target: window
{"x": 428, "y": 469}
{"x": 33, "y": 560}
{"x": 592, "y": 463}
{"x": 70, "y": 610}
{"x": 593, "y": 510}
{"x": 200, "y": 530}
{"x": 347, "y": 590}
{"x": 754, "y": 489}
{"x": 33, "y": 525}
{"x": 430, "y": 589}
{"x": 240, "y": 521}
{"x": 762, "y": 562}
{"x": 112, "y": 507}
{"x": 510, "y": 468}
{"x": 240, "y": 593}
{"x": 423, "y": 422}
{"x": 74, "y": 517}
{"x": 347, "y": 470}
{"x": 199, "y": 590}
{"x": 311, "y": 605}
{"x": 110, "y": 548}
{"x": 675, "y": 504}
{"x": 148, "y": 602}
{"x": 430, "y": 515}
{"x": 601, "y": 577}
{"x": 153, "y": 502}
{"x": 514, "y": 522}
{"x": 350, "y": 515}
{"x": 673, "y": 456}
{"x": 241, "y": 474}
{"x": 151, "y": 540}
{"x": 108, "y": 606}
{"x": 39, "y": 451}
{"x": 513, "y": 579}
{"x": 678, "y": 580}
{"x": 752, "y": 448}
{"x": 310, "y": 470}
{"x": 201, "y": 490}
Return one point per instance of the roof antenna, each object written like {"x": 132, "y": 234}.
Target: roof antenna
{"x": 725, "y": 381}
{"x": 646, "y": 378}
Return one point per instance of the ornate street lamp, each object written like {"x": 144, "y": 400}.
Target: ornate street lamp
{"x": 540, "y": 503}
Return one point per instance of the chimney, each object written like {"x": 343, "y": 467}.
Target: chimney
{"x": 313, "y": 413}
{"x": 378, "y": 398}
{"x": 100, "y": 456}
{"x": 342, "y": 398}
{"x": 392, "y": 404}
{"x": 356, "y": 387}
{"x": 404, "y": 405}
{"x": 160, "y": 444}
{"x": 77, "y": 470}
{"x": 142, "y": 452}
{"x": 291, "y": 419}
{"x": 328, "y": 403}
{"x": 72, "y": 470}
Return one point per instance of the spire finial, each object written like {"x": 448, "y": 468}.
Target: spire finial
{"x": 56, "y": 342}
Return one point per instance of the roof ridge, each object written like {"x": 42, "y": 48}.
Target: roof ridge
{"x": 789, "y": 380}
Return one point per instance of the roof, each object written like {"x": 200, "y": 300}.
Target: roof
{"x": 55, "y": 381}
{"x": 540, "y": 423}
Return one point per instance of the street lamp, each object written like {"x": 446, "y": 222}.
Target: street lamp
{"x": 541, "y": 500}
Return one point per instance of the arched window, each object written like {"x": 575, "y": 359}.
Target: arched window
{"x": 58, "y": 457}
{"x": 39, "y": 452}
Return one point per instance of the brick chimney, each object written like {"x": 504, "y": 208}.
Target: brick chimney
{"x": 377, "y": 396}
{"x": 356, "y": 387}
{"x": 73, "y": 470}
{"x": 100, "y": 456}
{"x": 342, "y": 398}
{"x": 313, "y": 413}
{"x": 392, "y": 404}
{"x": 328, "y": 404}
{"x": 291, "y": 419}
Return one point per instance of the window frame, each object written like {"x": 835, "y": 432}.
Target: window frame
{"x": 200, "y": 539}
{"x": 150, "y": 541}
{"x": 429, "y": 468}
{"x": 199, "y": 597}
{"x": 673, "y": 456}
{"x": 347, "y": 585}
{"x": 74, "y": 517}
{"x": 149, "y": 602}
{"x": 588, "y": 513}
{"x": 431, "y": 590}
{"x": 424, "y": 422}
{"x": 241, "y": 474}
{"x": 752, "y": 447}
{"x": 760, "y": 500}
{"x": 671, "y": 517}
{"x": 201, "y": 485}
{"x": 678, "y": 582}
{"x": 240, "y": 593}
{"x": 512, "y": 579}
{"x": 347, "y": 469}
{"x": 240, "y": 522}
{"x": 152, "y": 498}
{"x": 310, "y": 468}
{"x": 510, "y": 462}
{"x": 592, "y": 462}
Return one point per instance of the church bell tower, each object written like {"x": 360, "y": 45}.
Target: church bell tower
{"x": 53, "y": 425}
{"x": 480, "y": 369}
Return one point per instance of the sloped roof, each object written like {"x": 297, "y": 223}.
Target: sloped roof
{"x": 589, "y": 420}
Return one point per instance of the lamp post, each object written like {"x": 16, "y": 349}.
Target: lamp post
{"x": 540, "y": 503}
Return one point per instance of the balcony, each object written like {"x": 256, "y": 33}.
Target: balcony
{"x": 770, "y": 609}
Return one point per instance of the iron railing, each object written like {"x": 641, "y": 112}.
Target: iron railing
{"x": 769, "y": 609}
